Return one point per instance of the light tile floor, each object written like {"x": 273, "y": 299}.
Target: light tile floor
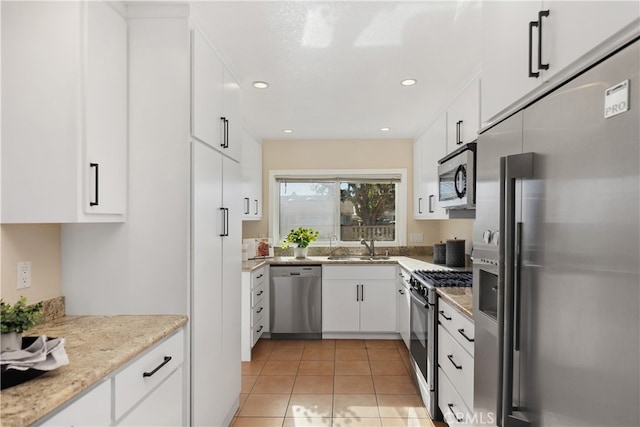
{"x": 339, "y": 383}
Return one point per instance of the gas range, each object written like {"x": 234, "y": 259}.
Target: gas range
{"x": 425, "y": 280}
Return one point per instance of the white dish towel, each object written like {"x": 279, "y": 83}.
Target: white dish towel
{"x": 45, "y": 354}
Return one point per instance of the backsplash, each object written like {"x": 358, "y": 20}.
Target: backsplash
{"x": 339, "y": 250}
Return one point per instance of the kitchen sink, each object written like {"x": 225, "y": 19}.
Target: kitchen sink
{"x": 357, "y": 258}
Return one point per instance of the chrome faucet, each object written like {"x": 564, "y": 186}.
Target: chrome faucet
{"x": 331, "y": 239}
{"x": 369, "y": 246}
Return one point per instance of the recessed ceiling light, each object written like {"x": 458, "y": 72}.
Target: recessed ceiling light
{"x": 287, "y": 131}
{"x": 408, "y": 82}
{"x": 385, "y": 129}
{"x": 260, "y": 85}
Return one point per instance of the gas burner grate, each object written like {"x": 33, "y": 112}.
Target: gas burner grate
{"x": 441, "y": 278}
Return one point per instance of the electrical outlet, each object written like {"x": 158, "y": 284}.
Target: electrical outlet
{"x": 24, "y": 275}
{"x": 417, "y": 238}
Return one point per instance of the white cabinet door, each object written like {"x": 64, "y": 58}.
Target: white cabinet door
{"x": 340, "y": 306}
{"x": 163, "y": 407}
{"x": 403, "y": 305}
{"x": 434, "y": 149}
{"x": 64, "y": 82}
{"x": 574, "y": 28}
{"x": 105, "y": 170}
{"x": 377, "y": 306}
{"x": 231, "y": 279}
{"x": 93, "y": 408}
{"x": 207, "y": 92}
{"x": 463, "y": 117}
{"x": 206, "y": 289}
{"x": 505, "y": 54}
{"x": 251, "y": 178}
{"x": 233, "y": 114}
{"x": 419, "y": 193}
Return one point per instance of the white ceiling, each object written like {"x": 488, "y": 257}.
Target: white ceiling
{"x": 334, "y": 68}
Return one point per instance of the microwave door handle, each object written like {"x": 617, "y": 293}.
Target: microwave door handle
{"x": 513, "y": 167}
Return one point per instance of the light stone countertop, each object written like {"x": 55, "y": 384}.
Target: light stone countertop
{"x": 96, "y": 346}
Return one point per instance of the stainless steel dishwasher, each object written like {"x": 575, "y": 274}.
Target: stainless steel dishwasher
{"x": 296, "y": 301}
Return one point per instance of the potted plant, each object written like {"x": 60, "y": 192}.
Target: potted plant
{"x": 301, "y": 238}
{"x": 15, "y": 319}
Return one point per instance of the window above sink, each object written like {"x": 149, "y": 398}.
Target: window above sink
{"x": 348, "y": 204}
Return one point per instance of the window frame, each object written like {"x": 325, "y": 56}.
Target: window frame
{"x": 355, "y": 174}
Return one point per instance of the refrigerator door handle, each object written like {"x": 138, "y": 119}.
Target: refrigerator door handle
{"x": 512, "y": 168}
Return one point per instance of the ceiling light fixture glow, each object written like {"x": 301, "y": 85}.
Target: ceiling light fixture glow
{"x": 385, "y": 129}
{"x": 260, "y": 85}
{"x": 408, "y": 82}
{"x": 287, "y": 131}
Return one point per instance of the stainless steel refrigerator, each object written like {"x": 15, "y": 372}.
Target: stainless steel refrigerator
{"x": 557, "y": 255}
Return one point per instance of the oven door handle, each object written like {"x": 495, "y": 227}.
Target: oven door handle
{"x": 418, "y": 300}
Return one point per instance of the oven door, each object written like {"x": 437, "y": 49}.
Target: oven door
{"x": 421, "y": 319}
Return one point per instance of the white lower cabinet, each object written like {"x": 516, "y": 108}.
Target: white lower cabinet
{"x": 148, "y": 391}
{"x": 403, "y": 307}
{"x": 93, "y": 408}
{"x": 359, "y": 299}
{"x": 255, "y": 308}
{"x": 455, "y": 365}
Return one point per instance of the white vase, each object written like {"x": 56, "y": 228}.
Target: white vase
{"x": 300, "y": 252}
{"x": 11, "y": 341}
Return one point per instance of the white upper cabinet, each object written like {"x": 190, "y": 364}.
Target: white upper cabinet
{"x": 251, "y": 177}
{"x": 527, "y": 43}
{"x": 207, "y": 74}
{"x": 427, "y": 150}
{"x": 463, "y": 117}
{"x": 64, "y": 112}
{"x": 216, "y": 100}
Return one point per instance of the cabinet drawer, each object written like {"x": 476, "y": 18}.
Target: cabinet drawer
{"x": 457, "y": 365}
{"x": 257, "y": 294}
{"x": 257, "y": 330}
{"x": 131, "y": 384}
{"x": 93, "y": 408}
{"x": 458, "y": 325}
{"x": 258, "y": 277}
{"x": 454, "y": 410}
{"x": 258, "y": 311}
{"x": 360, "y": 272}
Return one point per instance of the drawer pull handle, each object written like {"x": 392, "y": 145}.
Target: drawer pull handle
{"x": 167, "y": 359}
{"x": 450, "y": 357}
{"x": 259, "y": 277}
{"x": 260, "y": 293}
{"x": 259, "y": 329}
{"x": 260, "y": 311}
{"x": 461, "y": 332}
{"x": 444, "y": 315}
{"x": 450, "y": 406}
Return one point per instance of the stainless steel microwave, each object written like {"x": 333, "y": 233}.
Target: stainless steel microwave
{"x": 457, "y": 177}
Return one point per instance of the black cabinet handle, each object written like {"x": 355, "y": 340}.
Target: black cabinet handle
{"x": 541, "y": 14}
{"x": 461, "y": 332}
{"x": 532, "y": 73}
{"x": 256, "y": 202}
{"x": 444, "y": 315}
{"x": 260, "y": 276}
{"x": 260, "y": 310}
{"x": 450, "y": 357}
{"x": 225, "y": 222}
{"x": 431, "y": 203}
{"x": 247, "y": 202}
{"x": 95, "y": 202}
{"x": 260, "y": 293}
{"x": 419, "y": 205}
{"x": 167, "y": 359}
{"x": 259, "y": 329}
{"x": 225, "y": 132}
{"x": 459, "y": 132}
{"x": 450, "y": 406}
{"x": 401, "y": 291}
